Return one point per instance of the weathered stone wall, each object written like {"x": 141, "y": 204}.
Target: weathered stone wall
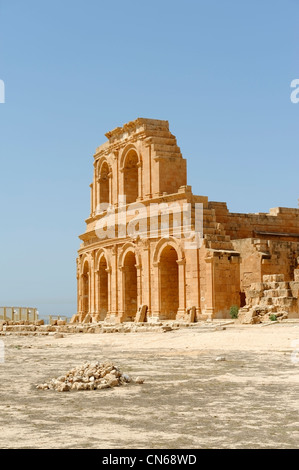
{"x": 117, "y": 275}
{"x": 281, "y": 223}
{"x": 262, "y": 257}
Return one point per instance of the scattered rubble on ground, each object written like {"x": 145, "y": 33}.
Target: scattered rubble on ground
{"x": 7, "y": 327}
{"x": 90, "y": 376}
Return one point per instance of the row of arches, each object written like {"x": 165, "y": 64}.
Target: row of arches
{"x": 130, "y": 285}
{"x": 129, "y": 169}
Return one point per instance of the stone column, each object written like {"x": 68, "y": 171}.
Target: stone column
{"x": 109, "y": 271}
{"x": 182, "y": 289}
{"x": 156, "y": 291}
{"x": 110, "y": 188}
{"x": 89, "y": 294}
{"x": 146, "y": 277}
{"x": 78, "y": 293}
{"x": 121, "y": 186}
{"x": 140, "y": 186}
{"x": 192, "y": 278}
{"x": 95, "y": 190}
{"x": 139, "y": 285}
{"x": 115, "y": 179}
{"x": 209, "y": 295}
{"x": 97, "y": 293}
{"x": 92, "y": 287}
{"x": 121, "y": 312}
{"x": 147, "y": 174}
{"x": 113, "y": 287}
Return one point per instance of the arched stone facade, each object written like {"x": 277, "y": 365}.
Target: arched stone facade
{"x": 138, "y": 173}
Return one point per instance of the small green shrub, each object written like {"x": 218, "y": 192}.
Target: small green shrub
{"x": 273, "y": 317}
{"x": 234, "y": 311}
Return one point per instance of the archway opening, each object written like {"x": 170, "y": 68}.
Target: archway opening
{"x": 85, "y": 289}
{"x": 131, "y": 177}
{"x": 103, "y": 288}
{"x": 130, "y": 286}
{"x": 104, "y": 183}
{"x": 169, "y": 278}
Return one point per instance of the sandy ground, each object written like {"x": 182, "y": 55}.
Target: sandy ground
{"x": 188, "y": 400}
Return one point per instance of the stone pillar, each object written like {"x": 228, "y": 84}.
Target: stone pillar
{"x": 92, "y": 288}
{"x": 97, "y": 292}
{"x": 147, "y": 173}
{"x": 209, "y": 295}
{"x": 121, "y": 186}
{"x": 110, "y": 188}
{"x": 182, "y": 289}
{"x": 78, "y": 291}
{"x": 115, "y": 179}
{"x": 156, "y": 292}
{"x": 95, "y": 191}
{"x": 139, "y": 284}
{"x": 121, "y": 312}
{"x": 113, "y": 286}
{"x": 146, "y": 277}
{"x": 109, "y": 271}
{"x": 192, "y": 278}
{"x": 140, "y": 187}
{"x": 87, "y": 275}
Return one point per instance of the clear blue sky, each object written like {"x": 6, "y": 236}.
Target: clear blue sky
{"x": 219, "y": 71}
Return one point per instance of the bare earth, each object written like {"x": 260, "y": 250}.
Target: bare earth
{"x": 188, "y": 400}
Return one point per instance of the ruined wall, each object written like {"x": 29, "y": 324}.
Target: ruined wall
{"x": 226, "y": 286}
{"x": 119, "y": 274}
{"x": 219, "y": 283}
{"x": 280, "y": 220}
{"x": 265, "y": 257}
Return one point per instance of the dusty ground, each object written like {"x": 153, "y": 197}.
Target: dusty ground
{"x": 188, "y": 400}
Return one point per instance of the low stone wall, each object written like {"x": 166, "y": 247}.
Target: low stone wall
{"x": 7, "y": 328}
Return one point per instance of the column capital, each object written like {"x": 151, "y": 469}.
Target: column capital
{"x": 181, "y": 262}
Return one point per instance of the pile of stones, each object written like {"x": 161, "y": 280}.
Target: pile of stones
{"x": 90, "y": 376}
{"x": 272, "y": 298}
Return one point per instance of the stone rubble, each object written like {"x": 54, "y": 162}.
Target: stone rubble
{"x": 274, "y": 296}
{"x": 100, "y": 327}
{"x": 90, "y": 376}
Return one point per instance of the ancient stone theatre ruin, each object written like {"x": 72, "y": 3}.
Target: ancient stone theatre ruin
{"x": 147, "y": 267}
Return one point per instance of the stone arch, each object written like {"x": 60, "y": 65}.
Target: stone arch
{"x": 161, "y": 245}
{"x": 99, "y": 254}
{"x": 125, "y": 249}
{"x": 130, "y": 164}
{"x": 130, "y": 267}
{"x": 104, "y": 179}
{"x": 169, "y": 282}
{"x": 169, "y": 262}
